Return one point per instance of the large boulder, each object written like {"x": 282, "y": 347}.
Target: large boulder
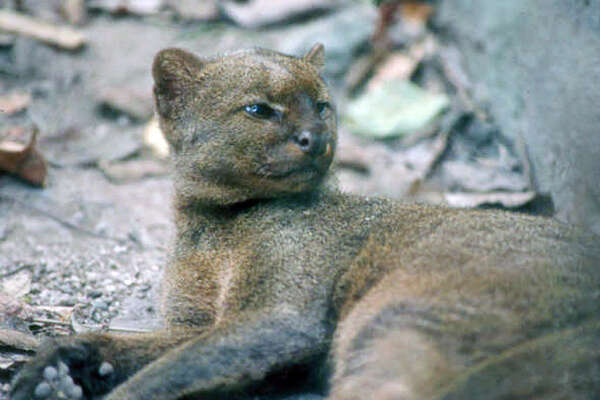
{"x": 536, "y": 64}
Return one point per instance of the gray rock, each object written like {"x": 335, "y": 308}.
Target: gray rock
{"x": 536, "y": 64}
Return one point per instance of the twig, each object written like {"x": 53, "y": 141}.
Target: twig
{"x": 49, "y": 321}
{"x": 60, "y": 36}
{"x": 129, "y": 330}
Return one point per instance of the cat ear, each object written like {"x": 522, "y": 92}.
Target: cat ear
{"x": 316, "y": 56}
{"x": 174, "y": 71}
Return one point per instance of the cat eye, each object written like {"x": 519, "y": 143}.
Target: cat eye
{"x": 324, "y": 108}
{"x": 261, "y": 110}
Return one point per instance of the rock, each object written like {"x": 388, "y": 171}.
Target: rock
{"x": 535, "y": 64}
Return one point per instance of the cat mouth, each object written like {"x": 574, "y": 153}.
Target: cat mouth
{"x": 296, "y": 172}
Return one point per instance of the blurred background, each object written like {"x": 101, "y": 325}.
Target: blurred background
{"x": 456, "y": 102}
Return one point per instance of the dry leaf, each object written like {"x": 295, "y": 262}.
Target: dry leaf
{"x": 137, "y": 7}
{"x": 375, "y": 169}
{"x": 206, "y": 10}
{"x": 74, "y": 11}
{"x": 155, "y": 140}
{"x": 396, "y": 66}
{"x": 257, "y": 13}
{"x": 24, "y": 161}
{"x": 416, "y": 11}
{"x": 63, "y": 313}
{"x": 129, "y": 101}
{"x": 132, "y": 170}
{"x": 18, "y": 340}
{"x": 17, "y": 285}
{"x": 21, "y": 24}
{"x": 506, "y": 199}
{"x": 14, "y": 102}
{"x": 14, "y": 308}
{"x": 10, "y": 362}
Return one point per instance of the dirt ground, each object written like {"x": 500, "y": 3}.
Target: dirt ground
{"x": 90, "y": 244}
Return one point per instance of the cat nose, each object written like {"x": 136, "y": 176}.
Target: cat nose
{"x": 313, "y": 144}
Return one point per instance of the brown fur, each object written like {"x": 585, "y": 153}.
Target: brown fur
{"x": 273, "y": 271}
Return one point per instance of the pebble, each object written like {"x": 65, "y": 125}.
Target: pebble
{"x": 68, "y": 302}
{"x": 100, "y": 305}
{"x": 144, "y": 287}
{"x": 95, "y": 293}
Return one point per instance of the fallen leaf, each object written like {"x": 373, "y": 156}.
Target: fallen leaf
{"x": 125, "y": 100}
{"x": 257, "y": 13}
{"x": 155, "y": 140}
{"x": 63, "y": 313}
{"x": 74, "y": 11}
{"x": 17, "y": 285}
{"x": 374, "y": 169}
{"x": 11, "y": 307}
{"x": 14, "y": 102}
{"x": 24, "y": 161}
{"x": 21, "y": 24}
{"x": 395, "y": 109}
{"x": 205, "y": 10}
{"x": 78, "y": 327}
{"x": 86, "y": 146}
{"x": 482, "y": 176}
{"x": 138, "y": 7}
{"x": 11, "y": 362}
{"x": 505, "y": 199}
{"x": 416, "y": 11}
{"x": 397, "y": 66}
{"x": 18, "y": 340}
{"x": 132, "y": 170}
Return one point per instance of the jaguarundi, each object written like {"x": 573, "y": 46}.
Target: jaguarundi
{"x": 279, "y": 282}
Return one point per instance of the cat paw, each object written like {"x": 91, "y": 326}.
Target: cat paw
{"x": 70, "y": 370}
{"x": 57, "y": 383}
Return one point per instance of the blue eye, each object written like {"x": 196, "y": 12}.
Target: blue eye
{"x": 260, "y": 110}
{"x": 323, "y": 108}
